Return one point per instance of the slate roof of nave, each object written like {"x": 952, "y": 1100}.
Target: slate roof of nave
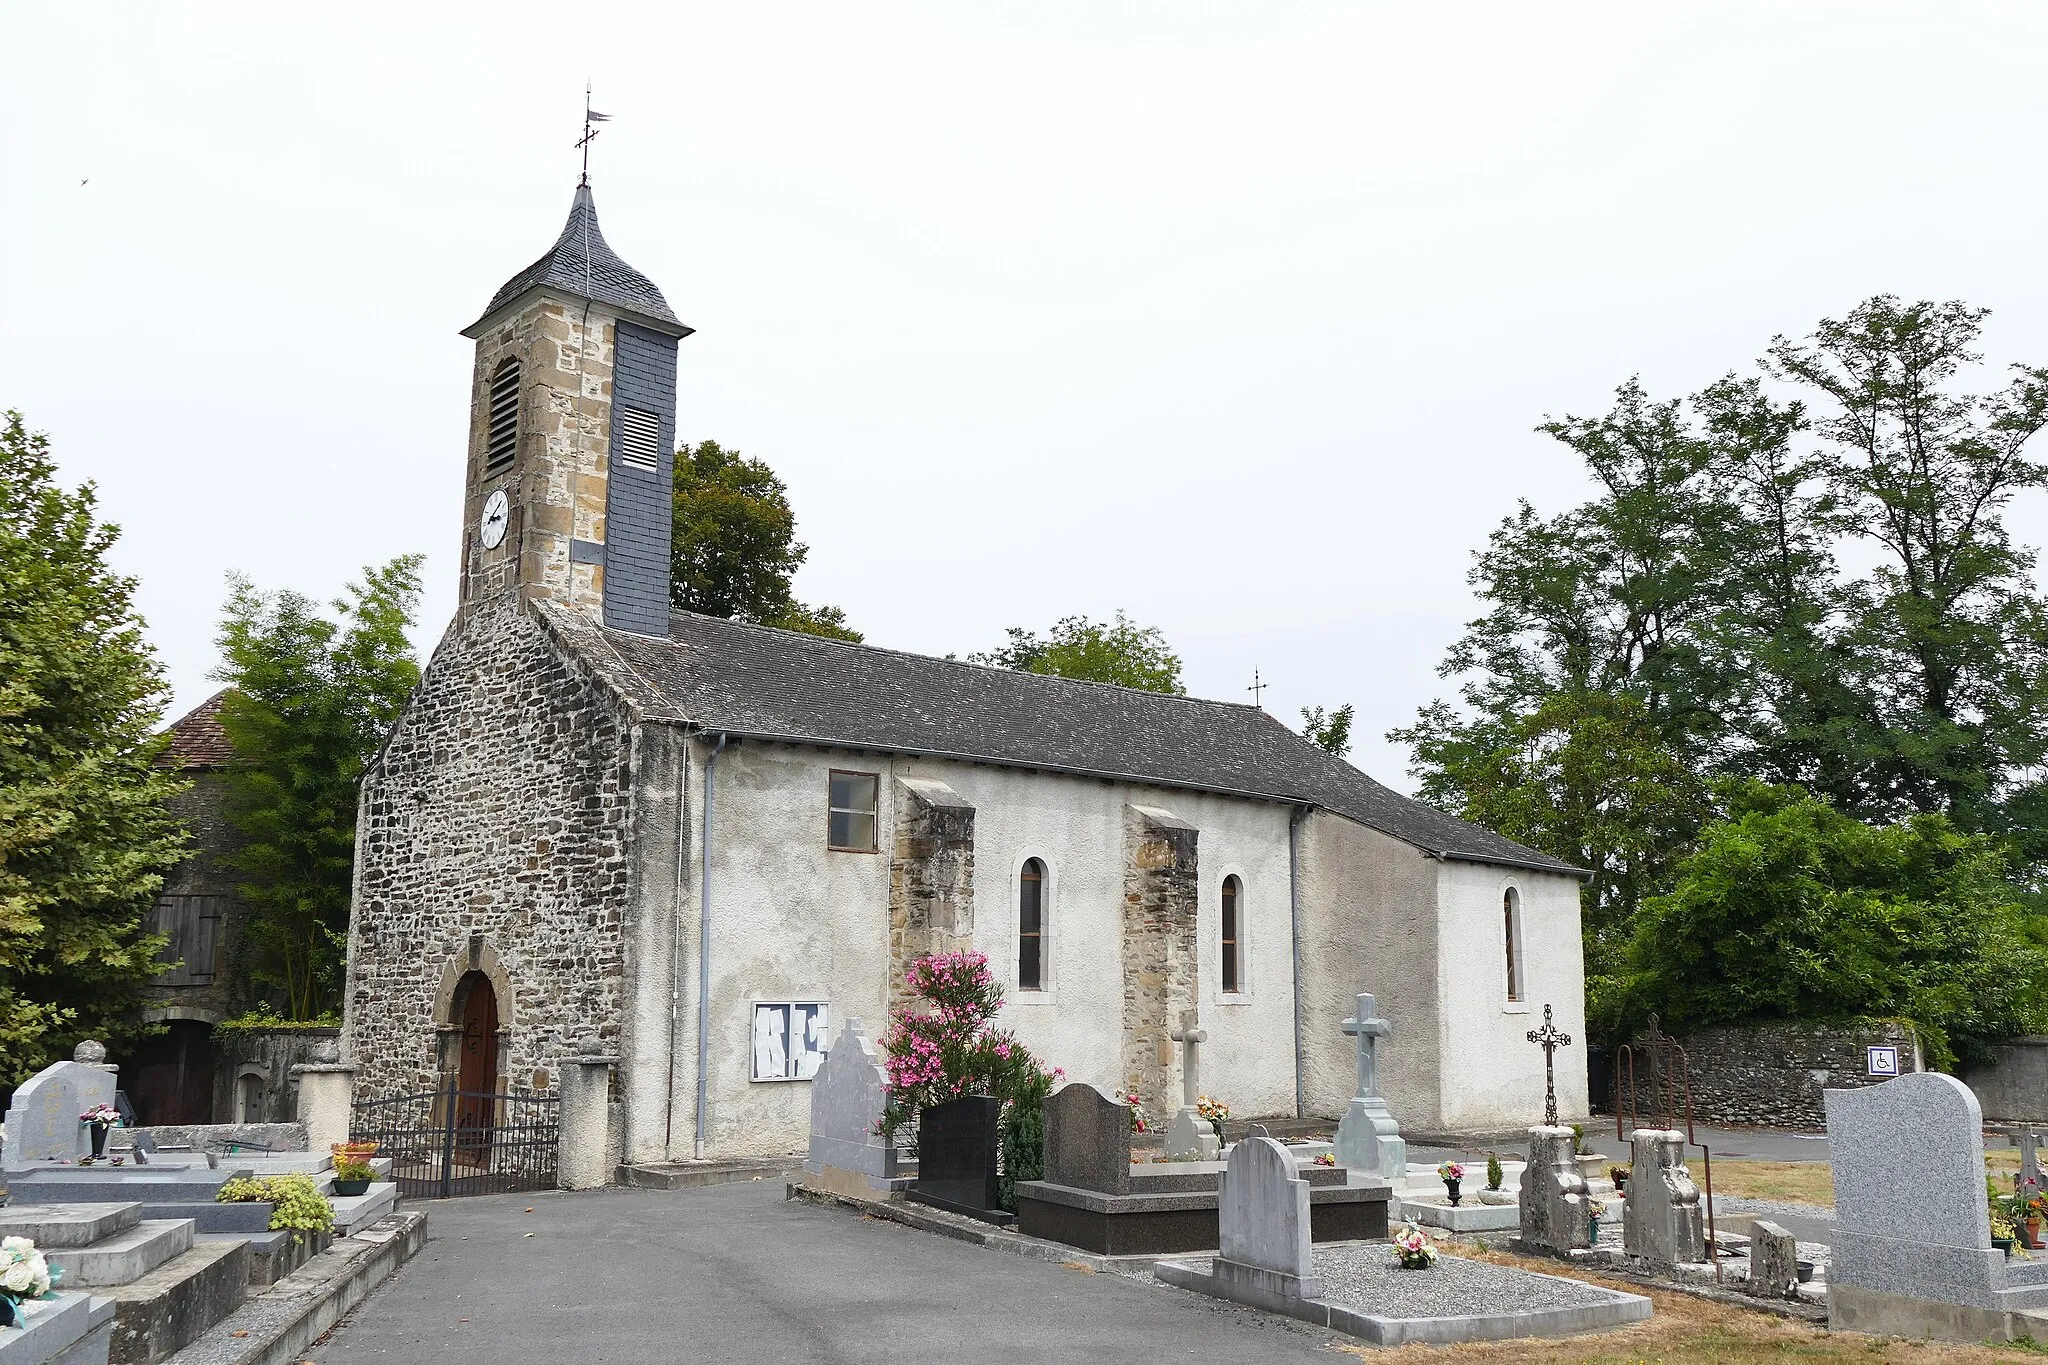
{"x": 760, "y": 682}
{"x": 582, "y": 265}
{"x": 197, "y": 741}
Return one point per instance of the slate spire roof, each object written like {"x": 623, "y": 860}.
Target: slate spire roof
{"x": 582, "y": 265}
{"x": 762, "y": 683}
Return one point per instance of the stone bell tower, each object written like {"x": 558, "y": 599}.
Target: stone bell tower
{"x": 572, "y": 420}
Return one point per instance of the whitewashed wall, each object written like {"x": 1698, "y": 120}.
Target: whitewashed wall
{"x": 792, "y": 919}
{"x": 1493, "y": 1075}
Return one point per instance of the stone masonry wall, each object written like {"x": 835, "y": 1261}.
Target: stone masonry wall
{"x": 497, "y": 811}
{"x": 1773, "y": 1074}
{"x": 1161, "y": 898}
{"x": 931, "y": 877}
{"x": 202, "y": 810}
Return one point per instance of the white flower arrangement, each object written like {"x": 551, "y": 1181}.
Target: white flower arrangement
{"x": 24, "y": 1274}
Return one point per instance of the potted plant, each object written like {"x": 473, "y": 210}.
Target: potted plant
{"x": 1494, "y": 1174}
{"x": 99, "y": 1118}
{"x": 355, "y": 1149}
{"x": 2035, "y": 1208}
{"x": 1412, "y": 1250}
{"x": 2002, "y": 1233}
{"x": 1451, "y": 1173}
{"x": 352, "y": 1176}
{"x": 1594, "y": 1208}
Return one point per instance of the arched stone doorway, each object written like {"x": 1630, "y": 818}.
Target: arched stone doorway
{"x": 475, "y": 1013}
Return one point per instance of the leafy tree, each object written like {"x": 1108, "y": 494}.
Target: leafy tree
{"x": 313, "y": 697}
{"x": 1120, "y": 652}
{"x": 1790, "y": 909}
{"x": 1948, "y": 634}
{"x": 1331, "y": 733}
{"x": 85, "y": 839}
{"x": 734, "y": 547}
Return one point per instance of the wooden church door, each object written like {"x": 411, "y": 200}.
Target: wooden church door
{"x": 477, "y": 1075}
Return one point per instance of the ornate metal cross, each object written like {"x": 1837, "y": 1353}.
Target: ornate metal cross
{"x": 1366, "y": 1025}
{"x": 1189, "y": 1037}
{"x": 1550, "y": 1040}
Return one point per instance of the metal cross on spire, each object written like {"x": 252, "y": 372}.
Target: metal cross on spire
{"x": 1258, "y": 689}
{"x": 1550, "y": 1039}
{"x": 590, "y": 118}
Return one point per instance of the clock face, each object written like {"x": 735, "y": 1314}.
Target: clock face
{"x": 497, "y": 512}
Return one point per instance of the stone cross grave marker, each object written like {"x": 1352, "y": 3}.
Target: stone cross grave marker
{"x": 1368, "y": 1138}
{"x": 1087, "y": 1141}
{"x": 1263, "y": 1224}
{"x": 2030, "y": 1159}
{"x": 1550, "y": 1040}
{"x": 1190, "y": 1135}
{"x": 1553, "y": 1214}
{"x": 1661, "y": 1218}
{"x": 848, "y": 1094}
{"x": 42, "y": 1120}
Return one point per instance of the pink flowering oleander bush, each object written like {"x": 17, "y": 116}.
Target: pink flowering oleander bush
{"x": 940, "y": 1047}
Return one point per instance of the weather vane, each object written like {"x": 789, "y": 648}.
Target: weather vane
{"x": 590, "y": 118}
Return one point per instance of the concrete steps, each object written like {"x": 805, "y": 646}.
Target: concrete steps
{"x": 352, "y": 1211}
{"x": 126, "y": 1255}
{"x": 167, "y": 1308}
{"x": 57, "y": 1226}
{"x": 686, "y": 1175}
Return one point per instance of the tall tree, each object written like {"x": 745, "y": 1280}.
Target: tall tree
{"x": 85, "y": 839}
{"x": 1119, "y": 651}
{"x": 1329, "y": 732}
{"x": 313, "y": 697}
{"x": 734, "y": 546}
{"x": 1950, "y": 634}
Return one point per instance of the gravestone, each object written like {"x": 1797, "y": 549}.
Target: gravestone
{"x": 1368, "y": 1138}
{"x": 1190, "y": 1137}
{"x": 1087, "y": 1140}
{"x": 1912, "y": 1243}
{"x": 956, "y": 1157}
{"x": 1554, "y": 1215}
{"x": 1262, "y": 1215}
{"x": 848, "y": 1155}
{"x": 1661, "y": 1218}
{"x": 42, "y": 1120}
{"x": 1773, "y": 1261}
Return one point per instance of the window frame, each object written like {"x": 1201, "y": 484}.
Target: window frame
{"x": 1230, "y": 958}
{"x": 874, "y": 814}
{"x": 1514, "y": 952}
{"x": 1041, "y": 877}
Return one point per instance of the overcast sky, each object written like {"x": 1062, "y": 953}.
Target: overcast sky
{"x": 1237, "y": 317}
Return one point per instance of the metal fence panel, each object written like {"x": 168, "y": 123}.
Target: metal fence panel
{"x": 452, "y": 1142}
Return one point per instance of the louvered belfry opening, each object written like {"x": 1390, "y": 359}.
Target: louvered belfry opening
{"x": 503, "y": 441}
{"x": 639, "y": 439}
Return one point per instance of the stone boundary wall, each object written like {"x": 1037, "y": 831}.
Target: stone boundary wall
{"x": 270, "y": 1054}
{"x": 2013, "y": 1085}
{"x": 1773, "y": 1074}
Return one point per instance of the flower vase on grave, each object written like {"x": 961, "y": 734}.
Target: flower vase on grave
{"x": 2034, "y": 1233}
{"x": 99, "y": 1140}
{"x": 1451, "y": 1188}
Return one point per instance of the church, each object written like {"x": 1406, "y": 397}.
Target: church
{"x": 700, "y": 846}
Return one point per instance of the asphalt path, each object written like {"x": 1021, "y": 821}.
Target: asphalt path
{"x": 736, "y": 1274}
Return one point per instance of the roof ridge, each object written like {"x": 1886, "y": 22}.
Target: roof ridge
{"x": 970, "y": 663}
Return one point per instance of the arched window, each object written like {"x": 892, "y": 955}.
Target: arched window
{"x": 1233, "y": 935}
{"x": 1031, "y": 926}
{"x": 1511, "y": 930}
{"x": 502, "y": 440}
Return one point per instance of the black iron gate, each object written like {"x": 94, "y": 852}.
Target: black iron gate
{"x": 450, "y": 1142}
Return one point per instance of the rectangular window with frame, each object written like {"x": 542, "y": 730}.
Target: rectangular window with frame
{"x": 851, "y": 825}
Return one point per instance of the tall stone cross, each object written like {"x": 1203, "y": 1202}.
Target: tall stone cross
{"x": 1550, "y": 1040}
{"x": 1190, "y": 1038}
{"x": 1366, "y": 1025}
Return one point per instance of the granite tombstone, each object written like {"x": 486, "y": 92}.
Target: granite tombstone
{"x": 42, "y": 1121}
{"x": 848, "y": 1153}
{"x": 1263, "y": 1225}
{"x": 957, "y": 1164}
{"x": 1087, "y": 1140}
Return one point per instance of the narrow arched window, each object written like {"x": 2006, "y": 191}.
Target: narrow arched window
{"x": 1511, "y": 932}
{"x": 501, "y": 441}
{"x": 1031, "y": 926}
{"x": 1233, "y": 935}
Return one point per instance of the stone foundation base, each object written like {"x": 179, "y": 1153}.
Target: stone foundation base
{"x": 1883, "y": 1314}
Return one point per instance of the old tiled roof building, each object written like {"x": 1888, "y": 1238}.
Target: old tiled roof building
{"x": 703, "y": 843}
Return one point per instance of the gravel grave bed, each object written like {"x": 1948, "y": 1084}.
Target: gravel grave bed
{"x": 1724, "y": 1203}
{"x": 1365, "y": 1278}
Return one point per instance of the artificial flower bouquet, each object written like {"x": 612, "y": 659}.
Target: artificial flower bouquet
{"x": 24, "y": 1275}
{"x": 1412, "y": 1250}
